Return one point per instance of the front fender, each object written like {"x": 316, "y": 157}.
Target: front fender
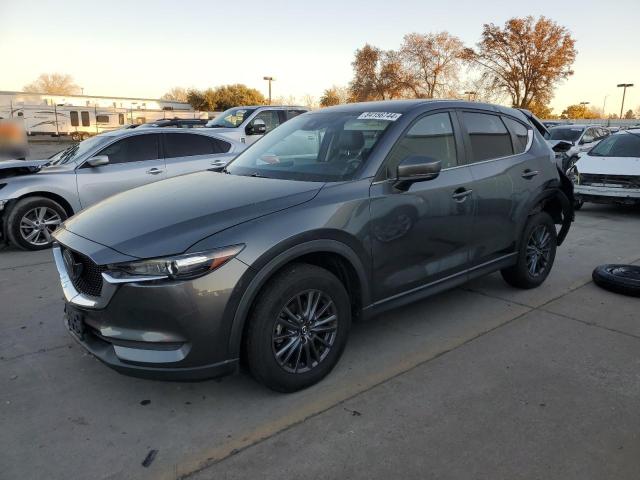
{"x": 265, "y": 267}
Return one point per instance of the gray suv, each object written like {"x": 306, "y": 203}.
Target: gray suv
{"x": 337, "y": 215}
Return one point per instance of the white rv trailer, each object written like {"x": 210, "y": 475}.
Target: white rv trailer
{"x": 83, "y": 122}
{"x": 82, "y": 116}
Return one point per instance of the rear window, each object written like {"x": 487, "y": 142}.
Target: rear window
{"x": 188, "y": 145}
{"x": 488, "y": 136}
{"x": 569, "y": 134}
{"x": 520, "y": 132}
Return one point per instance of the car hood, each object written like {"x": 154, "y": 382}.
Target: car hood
{"x": 11, "y": 168}
{"x": 167, "y": 217}
{"x": 609, "y": 165}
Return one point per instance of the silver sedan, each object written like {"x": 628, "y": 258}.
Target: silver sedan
{"x": 37, "y": 196}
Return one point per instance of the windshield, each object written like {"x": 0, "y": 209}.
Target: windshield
{"x": 320, "y": 147}
{"x": 76, "y": 151}
{"x": 231, "y": 118}
{"x": 569, "y": 134}
{"x": 619, "y": 145}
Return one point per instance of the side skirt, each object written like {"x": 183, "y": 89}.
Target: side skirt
{"x": 438, "y": 286}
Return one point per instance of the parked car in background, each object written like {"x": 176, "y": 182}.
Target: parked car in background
{"x": 551, "y": 123}
{"x": 248, "y": 124}
{"x": 582, "y": 137}
{"x": 37, "y": 196}
{"x": 340, "y": 213}
{"x": 177, "y": 122}
{"x": 609, "y": 172}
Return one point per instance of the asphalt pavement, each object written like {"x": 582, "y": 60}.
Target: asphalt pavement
{"x": 483, "y": 382}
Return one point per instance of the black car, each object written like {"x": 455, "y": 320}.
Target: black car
{"x": 336, "y": 215}
{"x": 177, "y": 122}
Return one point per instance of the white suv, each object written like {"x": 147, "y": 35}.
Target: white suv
{"x": 248, "y": 124}
{"x": 582, "y": 138}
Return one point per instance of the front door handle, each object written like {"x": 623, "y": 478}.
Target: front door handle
{"x": 461, "y": 194}
{"x": 528, "y": 174}
{"x": 154, "y": 171}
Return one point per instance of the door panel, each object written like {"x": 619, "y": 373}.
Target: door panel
{"x": 421, "y": 235}
{"x": 133, "y": 161}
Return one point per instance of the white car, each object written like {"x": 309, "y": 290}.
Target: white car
{"x": 582, "y": 137}
{"x": 609, "y": 172}
{"x": 248, "y": 124}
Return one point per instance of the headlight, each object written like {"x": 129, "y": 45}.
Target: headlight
{"x": 574, "y": 174}
{"x": 180, "y": 267}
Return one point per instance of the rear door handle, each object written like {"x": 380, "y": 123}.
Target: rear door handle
{"x": 154, "y": 171}
{"x": 529, "y": 174}
{"x": 461, "y": 194}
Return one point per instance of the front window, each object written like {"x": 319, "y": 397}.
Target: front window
{"x": 620, "y": 145}
{"x": 566, "y": 134}
{"x": 322, "y": 147}
{"x": 231, "y": 118}
{"x": 77, "y": 150}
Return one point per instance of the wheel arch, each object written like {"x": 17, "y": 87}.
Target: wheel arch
{"x": 557, "y": 204}
{"x": 51, "y": 196}
{"x": 333, "y": 255}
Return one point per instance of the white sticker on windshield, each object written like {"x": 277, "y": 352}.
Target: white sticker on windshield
{"x": 391, "y": 117}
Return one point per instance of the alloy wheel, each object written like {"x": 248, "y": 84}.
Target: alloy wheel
{"x": 304, "y": 331}
{"x": 538, "y": 251}
{"x": 37, "y": 225}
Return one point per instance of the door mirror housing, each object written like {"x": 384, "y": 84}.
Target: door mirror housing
{"x": 98, "y": 161}
{"x": 416, "y": 168}
{"x": 562, "y": 146}
{"x": 257, "y": 127}
{"x": 587, "y": 139}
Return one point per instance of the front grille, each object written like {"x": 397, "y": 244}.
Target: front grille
{"x": 623, "y": 181}
{"x": 85, "y": 274}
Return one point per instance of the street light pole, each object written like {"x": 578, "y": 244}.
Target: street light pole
{"x": 624, "y": 93}
{"x": 269, "y": 79}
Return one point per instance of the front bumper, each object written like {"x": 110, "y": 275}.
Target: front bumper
{"x": 591, "y": 193}
{"x": 164, "y": 329}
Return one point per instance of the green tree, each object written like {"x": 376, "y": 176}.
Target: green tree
{"x": 228, "y": 96}
{"x": 629, "y": 115}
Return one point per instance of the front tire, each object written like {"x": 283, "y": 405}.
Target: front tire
{"x": 298, "y": 328}
{"x": 537, "y": 253}
{"x": 31, "y": 222}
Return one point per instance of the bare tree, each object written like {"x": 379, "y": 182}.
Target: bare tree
{"x": 433, "y": 61}
{"x": 526, "y": 58}
{"x": 53, "y": 83}
{"x": 176, "y": 94}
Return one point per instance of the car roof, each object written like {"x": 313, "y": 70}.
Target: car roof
{"x": 274, "y": 107}
{"x": 404, "y": 106}
{"x": 126, "y": 132}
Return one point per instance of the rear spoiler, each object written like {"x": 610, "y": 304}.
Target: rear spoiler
{"x": 535, "y": 121}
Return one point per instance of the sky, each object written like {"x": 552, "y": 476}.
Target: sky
{"x": 143, "y": 48}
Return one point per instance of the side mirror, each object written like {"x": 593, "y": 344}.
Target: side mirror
{"x": 586, "y": 139}
{"x": 416, "y": 168}
{"x": 257, "y": 127}
{"x": 98, "y": 161}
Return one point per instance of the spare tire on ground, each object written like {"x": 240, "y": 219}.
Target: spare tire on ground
{"x": 623, "y": 279}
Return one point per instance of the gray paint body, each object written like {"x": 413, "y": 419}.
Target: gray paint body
{"x": 403, "y": 245}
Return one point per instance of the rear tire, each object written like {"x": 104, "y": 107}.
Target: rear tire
{"x": 290, "y": 346}
{"x": 537, "y": 253}
{"x": 31, "y": 222}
